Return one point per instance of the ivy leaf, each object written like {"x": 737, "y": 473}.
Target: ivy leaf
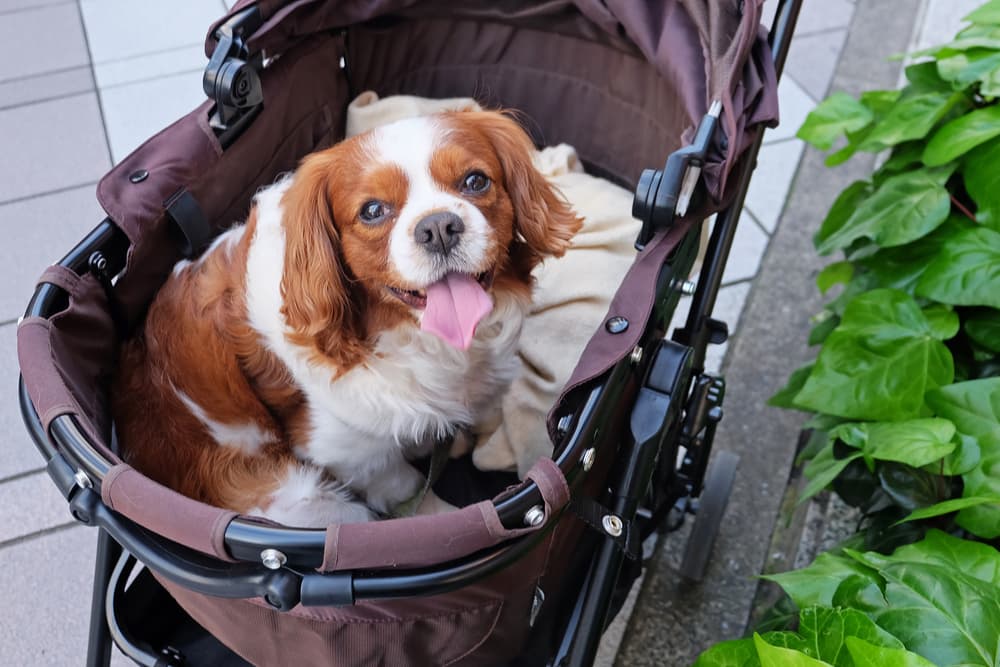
{"x": 974, "y": 408}
{"x": 909, "y": 487}
{"x": 824, "y": 325}
{"x": 949, "y": 506}
{"x": 834, "y": 116}
{"x": 942, "y": 613}
{"x": 817, "y": 583}
{"x": 957, "y": 137}
{"x": 842, "y": 209}
{"x": 984, "y": 329}
{"x": 988, "y": 13}
{"x": 879, "y": 102}
{"x": 966, "y": 270}
{"x": 773, "y": 656}
{"x": 783, "y": 398}
{"x": 903, "y": 157}
{"x": 901, "y": 267}
{"x": 942, "y": 320}
{"x": 834, "y": 274}
{"x": 911, "y": 117}
{"x": 982, "y": 181}
{"x": 860, "y": 592}
{"x": 879, "y": 362}
{"x": 973, "y": 558}
{"x": 823, "y": 469}
{"x": 925, "y": 76}
{"x": 735, "y": 653}
{"x": 825, "y": 631}
{"x": 964, "y": 458}
{"x": 967, "y": 67}
{"x": 905, "y": 207}
{"x": 866, "y": 654}
{"x": 916, "y": 442}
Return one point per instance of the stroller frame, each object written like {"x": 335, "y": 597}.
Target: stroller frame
{"x": 675, "y": 400}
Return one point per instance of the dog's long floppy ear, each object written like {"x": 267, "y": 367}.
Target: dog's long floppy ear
{"x": 543, "y": 217}
{"x": 317, "y": 299}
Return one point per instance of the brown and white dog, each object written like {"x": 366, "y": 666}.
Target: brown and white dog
{"x": 370, "y": 305}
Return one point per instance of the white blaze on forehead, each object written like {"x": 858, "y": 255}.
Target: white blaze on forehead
{"x": 410, "y": 144}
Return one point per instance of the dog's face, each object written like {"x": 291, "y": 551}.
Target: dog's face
{"x": 423, "y": 214}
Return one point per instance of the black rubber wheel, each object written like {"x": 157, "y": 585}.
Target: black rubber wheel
{"x": 711, "y": 506}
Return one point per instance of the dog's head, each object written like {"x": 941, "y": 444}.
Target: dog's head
{"x": 423, "y": 215}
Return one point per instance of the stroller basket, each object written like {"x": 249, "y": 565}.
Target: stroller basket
{"x": 534, "y": 575}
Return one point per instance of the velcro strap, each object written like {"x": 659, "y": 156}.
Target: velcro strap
{"x": 195, "y": 232}
{"x": 593, "y": 514}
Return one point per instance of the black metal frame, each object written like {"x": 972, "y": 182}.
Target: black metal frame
{"x": 661, "y": 377}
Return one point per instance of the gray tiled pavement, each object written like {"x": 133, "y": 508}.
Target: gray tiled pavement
{"x": 84, "y": 82}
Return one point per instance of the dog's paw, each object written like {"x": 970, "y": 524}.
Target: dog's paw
{"x": 462, "y": 443}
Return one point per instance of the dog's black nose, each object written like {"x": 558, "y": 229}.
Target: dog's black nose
{"x": 439, "y": 232}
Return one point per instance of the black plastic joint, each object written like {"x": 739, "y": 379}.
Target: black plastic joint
{"x": 335, "y": 589}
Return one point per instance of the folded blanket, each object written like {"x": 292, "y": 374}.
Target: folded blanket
{"x": 572, "y": 293}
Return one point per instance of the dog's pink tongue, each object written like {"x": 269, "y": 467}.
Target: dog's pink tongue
{"x": 455, "y": 304}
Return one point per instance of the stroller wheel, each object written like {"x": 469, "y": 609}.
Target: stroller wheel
{"x": 712, "y": 505}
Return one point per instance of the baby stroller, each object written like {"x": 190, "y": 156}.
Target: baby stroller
{"x": 533, "y": 575}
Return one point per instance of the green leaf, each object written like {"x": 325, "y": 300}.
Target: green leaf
{"x": 905, "y": 207}
{"x": 783, "y": 398}
{"x": 965, "y": 458}
{"x": 944, "y": 614}
{"x": 957, "y": 137}
{"x": 842, "y": 209}
{"x": 978, "y": 560}
{"x": 942, "y": 320}
{"x": 916, "y": 442}
{"x": 860, "y": 592}
{"x": 818, "y": 440}
{"x": 773, "y": 656}
{"x": 825, "y": 631}
{"x": 834, "y": 274}
{"x": 982, "y": 181}
{"x": 823, "y": 469}
{"x": 966, "y": 270}
{"x": 924, "y": 76}
{"x": 973, "y": 37}
{"x": 967, "y": 67}
{"x": 823, "y": 326}
{"x": 866, "y": 654}
{"x": 909, "y": 488}
{"x": 901, "y": 267}
{"x": 988, "y": 13}
{"x": 985, "y": 329}
{"x": 903, "y": 157}
{"x": 735, "y": 653}
{"x": 879, "y": 361}
{"x": 949, "y": 506}
{"x": 974, "y": 408}
{"x": 911, "y": 117}
{"x": 817, "y": 583}
{"x": 834, "y": 116}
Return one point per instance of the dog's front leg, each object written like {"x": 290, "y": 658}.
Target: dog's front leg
{"x": 389, "y": 487}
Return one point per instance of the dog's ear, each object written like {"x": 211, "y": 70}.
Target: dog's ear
{"x": 318, "y": 302}
{"x": 542, "y": 216}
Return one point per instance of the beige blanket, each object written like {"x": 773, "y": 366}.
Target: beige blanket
{"x": 572, "y": 292}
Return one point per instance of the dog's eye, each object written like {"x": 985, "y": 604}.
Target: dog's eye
{"x": 475, "y": 183}
{"x": 372, "y": 211}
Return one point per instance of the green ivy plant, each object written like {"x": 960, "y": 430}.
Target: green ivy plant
{"x": 904, "y": 391}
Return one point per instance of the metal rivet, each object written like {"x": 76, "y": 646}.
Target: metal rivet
{"x": 82, "y": 480}
{"x": 534, "y": 516}
{"x": 612, "y": 525}
{"x": 272, "y": 559}
{"x": 636, "y": 355}
{"x": 616, "y": 324}
{"x": 687, "y": 287}
{"x": 564, "y": 422}
{"x": 138, "y": 176}
{"x": 588, "y": 458}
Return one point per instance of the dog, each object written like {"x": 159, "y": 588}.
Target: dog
{"x": 369, "y": 307}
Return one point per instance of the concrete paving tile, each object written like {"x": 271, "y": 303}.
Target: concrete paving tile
{"x": 794, "y": 104}
{"x": 30, "y": 504}
{"x": 776, "y": 165}
{"x": 188, "y": 58}
{"x": 729, "y": 305}
{"x": 50, "y": 594}
{"x": 942, "y": 19}
{"x": 20, "y": 5}
{"x": 46, "y": 86}
{"x": 51, "y": 145}
{"x": 748, "y": 248}
{"x": 40, "y": 230}
{"x": 19, "y": 453}
{"x": 812, "y": 60}
{"x": 136, "y": 111}
{"x": 819, "y": 15}
{"x": 39, "y": 40}
{"x": 119, "y": 29}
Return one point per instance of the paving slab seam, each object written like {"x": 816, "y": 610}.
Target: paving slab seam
{"x": 46, "y": 193}
{"x": 27, "y": 537}
{"x": 22, "y": 474}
